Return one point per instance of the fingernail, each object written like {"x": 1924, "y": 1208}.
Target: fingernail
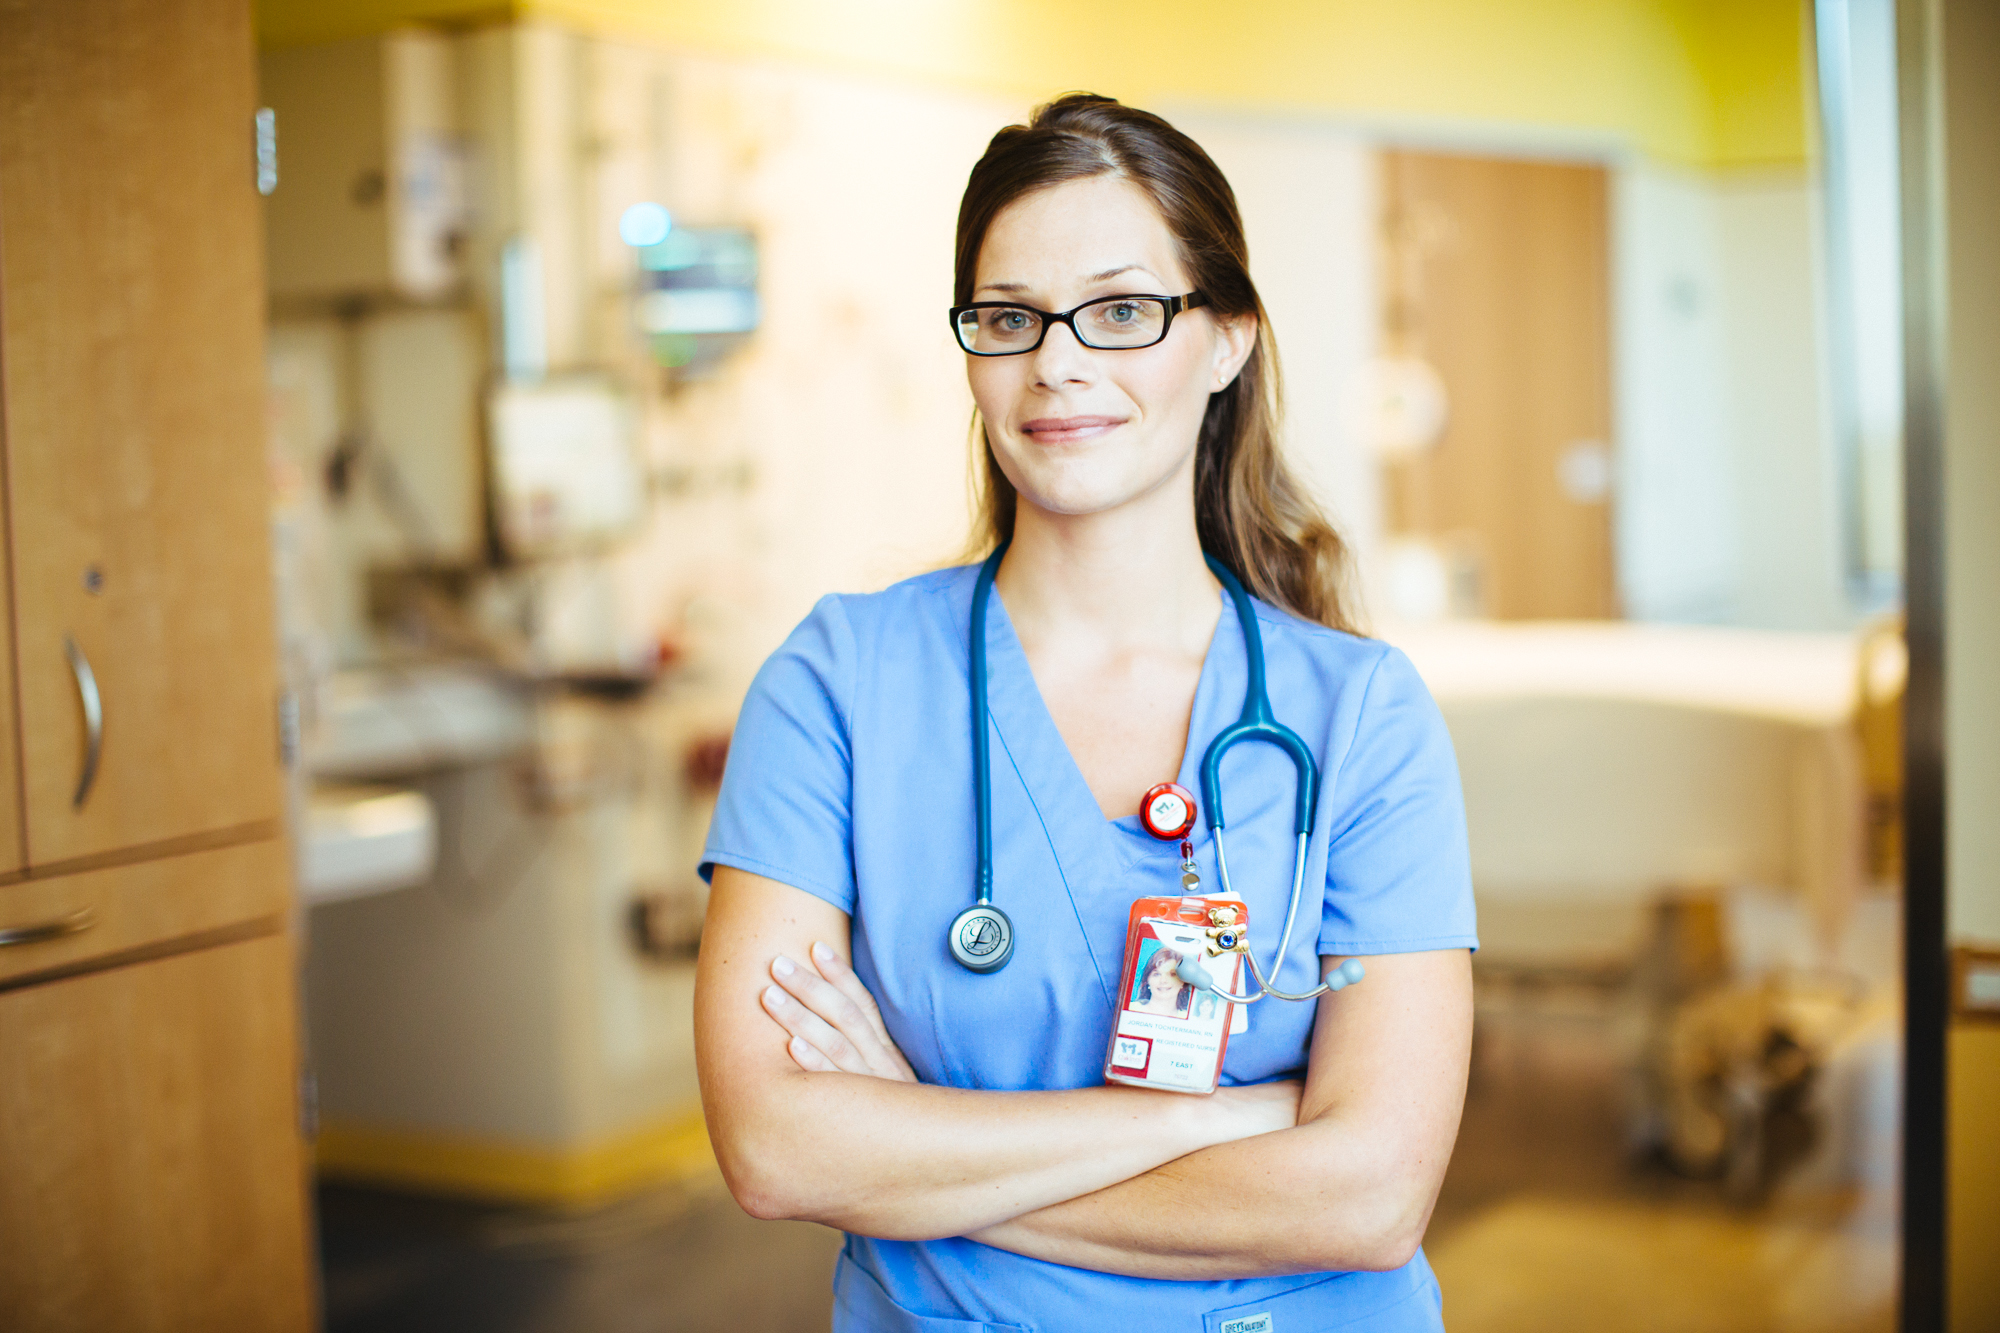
{"x": 773, "y": 996}
{"x": 782, "y": 966}
{"x": 821, "y": 952}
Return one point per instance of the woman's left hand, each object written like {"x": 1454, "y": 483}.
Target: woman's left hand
{"x": 833, "y": 1021}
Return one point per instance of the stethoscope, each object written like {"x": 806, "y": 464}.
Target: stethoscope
{"x": 982, "y": 936}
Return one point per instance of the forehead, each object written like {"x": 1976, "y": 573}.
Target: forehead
{"x": 1056, "y": 238}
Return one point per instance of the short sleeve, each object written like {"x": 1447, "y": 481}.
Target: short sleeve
{"x": 1398, "y": 874}
{"x": 786, "y": 805}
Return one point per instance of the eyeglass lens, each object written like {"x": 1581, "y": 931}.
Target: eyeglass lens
{"x": 1119, "y": 322}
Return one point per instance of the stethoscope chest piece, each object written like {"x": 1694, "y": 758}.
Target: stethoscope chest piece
{"x": 982, "y": 938}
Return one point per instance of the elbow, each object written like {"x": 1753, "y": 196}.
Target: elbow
{"x": 764, "y": 1193}
{"x": 1391, "y": 1249}
{"x": 1377, "y": 1235}
{"x": 758, "y": 1175}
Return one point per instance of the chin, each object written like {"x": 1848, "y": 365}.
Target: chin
{"x": 1074, "y": 488}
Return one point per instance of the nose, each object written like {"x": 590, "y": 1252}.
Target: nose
{"x": 1062, "y": 360}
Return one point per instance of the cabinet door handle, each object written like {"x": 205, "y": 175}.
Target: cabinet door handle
{"x": 74, "y": 924}
{"x": 93, "y": 719}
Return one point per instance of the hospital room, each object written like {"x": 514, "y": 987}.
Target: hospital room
{"x": 618, "y": 550}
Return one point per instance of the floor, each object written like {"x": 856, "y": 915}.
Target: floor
{"x": 1551, "y": 1220}
{"x": 679, "y": 1258}
{"x": 1548, "y": 1220}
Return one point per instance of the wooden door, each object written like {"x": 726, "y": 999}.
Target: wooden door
{"x": 155, "y": 1177}
{"x": 131, "y": 345}
{"x": 1506, "y": 269}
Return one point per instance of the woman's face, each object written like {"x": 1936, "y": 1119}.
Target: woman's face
{"x": 1161, "y": 978}
{"x": 1078, "y": 430}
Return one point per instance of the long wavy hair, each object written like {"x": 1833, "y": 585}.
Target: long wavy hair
{"x": 1250, "y": 512}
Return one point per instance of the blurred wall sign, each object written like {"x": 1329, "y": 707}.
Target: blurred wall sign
{"x": 697, "y": 294}
{"x": 565, "y": 467}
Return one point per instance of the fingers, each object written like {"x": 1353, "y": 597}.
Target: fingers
{"x": 858, "y": 1048}
{"x": 808, "y": 1057}
{"x": 807, "y": 1026}
{"x": 836, "y": 971}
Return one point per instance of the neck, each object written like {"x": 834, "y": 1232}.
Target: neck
{"x": 1129, "y": 577}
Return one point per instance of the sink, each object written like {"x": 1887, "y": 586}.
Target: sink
{"x": 388, "y": 722}
{"x": 365, "y": 839}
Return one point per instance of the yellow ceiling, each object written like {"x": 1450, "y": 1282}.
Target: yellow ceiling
{"x": 1714, "y": 83}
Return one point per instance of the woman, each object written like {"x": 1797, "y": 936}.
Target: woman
{"x": 1160, "y": 989}
{"x": 956, "y": 1123}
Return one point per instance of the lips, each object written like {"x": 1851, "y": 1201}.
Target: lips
{"x": 1065, "y": 430}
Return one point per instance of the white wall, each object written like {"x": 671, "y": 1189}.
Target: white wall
{"x": 1678, "y": 510}
{"x": 1308, "y": 197}
{"x": 1728, "y": 487}
{"x": 833, "y": 453}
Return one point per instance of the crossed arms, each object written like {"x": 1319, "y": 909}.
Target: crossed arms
{"x": 815, "y": 1115}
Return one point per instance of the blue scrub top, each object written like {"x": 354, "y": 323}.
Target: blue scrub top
{"x": 850, "y": 777}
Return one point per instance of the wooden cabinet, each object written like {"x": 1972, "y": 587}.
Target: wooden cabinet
{"x": 153, "y": 1170}
{"x": 131, "y": 350}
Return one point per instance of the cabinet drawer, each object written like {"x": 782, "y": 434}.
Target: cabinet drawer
{"x": 138, "y": 910}
{"x": 155, "y": 1179}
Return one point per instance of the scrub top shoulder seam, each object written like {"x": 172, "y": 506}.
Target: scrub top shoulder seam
{"x": 719, "y": 856}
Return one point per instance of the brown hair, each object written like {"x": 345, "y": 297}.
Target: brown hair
{"x": 1250, "y": 512}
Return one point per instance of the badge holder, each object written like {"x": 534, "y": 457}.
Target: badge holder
{"x": 1170, "y": 1034}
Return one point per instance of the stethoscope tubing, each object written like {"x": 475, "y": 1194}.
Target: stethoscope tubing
{"x": 1256, "y": 723}
{"x": 982, "y": 765}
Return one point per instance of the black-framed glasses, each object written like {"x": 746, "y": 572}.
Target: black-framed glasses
{"x": 1110, "y": 323}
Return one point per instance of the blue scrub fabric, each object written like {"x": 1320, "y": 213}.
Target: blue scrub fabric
{"x": 850, "y": 777}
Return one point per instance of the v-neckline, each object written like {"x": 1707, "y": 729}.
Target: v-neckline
{"x": 1008, "y": 665}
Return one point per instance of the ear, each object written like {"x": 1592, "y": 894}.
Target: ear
{"x": 1235, "y": 336}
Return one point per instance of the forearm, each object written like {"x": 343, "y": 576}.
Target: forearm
{"x": 908, "y": 1161}
{"x": 1311, "y": 1199}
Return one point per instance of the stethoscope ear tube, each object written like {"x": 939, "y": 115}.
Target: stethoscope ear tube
{"x": 1257, "y": 722}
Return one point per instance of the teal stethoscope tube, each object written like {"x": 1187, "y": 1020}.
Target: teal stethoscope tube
{"x": 985, "y": 923}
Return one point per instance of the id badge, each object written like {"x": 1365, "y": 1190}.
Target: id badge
{"x": 1168, "y": 1034}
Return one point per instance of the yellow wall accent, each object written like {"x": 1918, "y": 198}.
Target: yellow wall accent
{"x": 430, "y": 1162}
{"x": 1972, "y": 1158}
{"x": 1702, "y": 82}
{"x": 1754, "y": 62}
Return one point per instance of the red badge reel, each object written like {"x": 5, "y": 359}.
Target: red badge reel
{"x": 1167, "y": 811}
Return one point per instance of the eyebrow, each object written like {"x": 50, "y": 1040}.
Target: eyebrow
{"x": 1093, "y": 279}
